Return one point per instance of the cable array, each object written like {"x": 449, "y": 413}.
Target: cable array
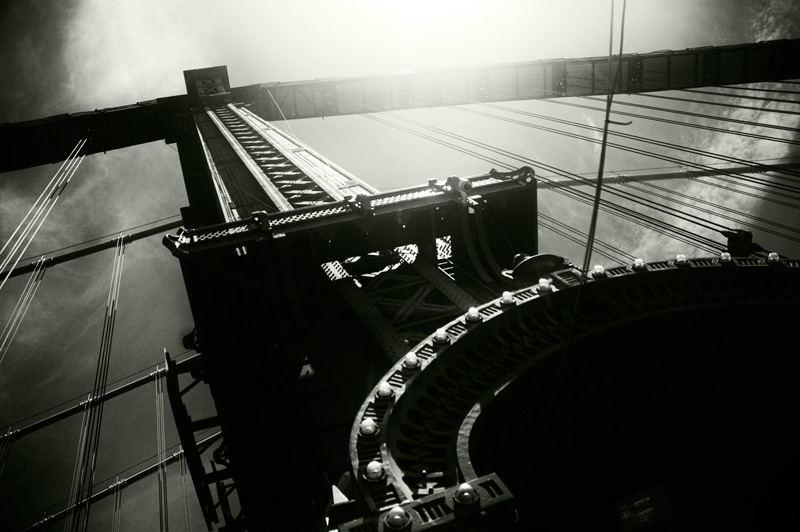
{"x": 682, "y": 112}
{"x": 777, "y": 188}
{"x": 6, "y": 442}
{"x": 719, "y": 104}
{"x": 161, "y": 441}
{"x": 187, "y": 516}
{"x": 21, "y": 308}
{"x": 620, "y": 211}
{"x": 27, "y": 229}
{"x": 89, "y": 439}
{"x": 740, "y": 96}
{"x": 679, "y": 123}
{"x": 116, "y": 516}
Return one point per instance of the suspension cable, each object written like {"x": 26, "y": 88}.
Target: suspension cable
{"x": 6, "y": 442}
{"x": 740, "y": 96}
{"x": 131, "y": 478}
{"x": 564, "y": 231}
{"x": 680, "y": 123}
{"x": 70, "y": 523}
{"x": 86, "y": 461}
{"x": 698, "y": 115}
{"x": 41, "y": 209}
{"x": 116, "y": 515}
{"x": 611, "y": 248}
{"x": 755, "y": 89}
{"x": 720, "y": 104}
{"x": 21, "y": 308}
{"x": 623, "y": 212}
{"x": 601, "y": 167}
{"x": 163, "y": 501}
{"x": 187, "y": 516}
{"x": 537, "y": 164}
{"x": 639, "y": 151}
{"x": 726, "y": 209}
{"x": 57, "y": 176}
{"x": 578, "y": 195}
{"x": 757, "y": 168}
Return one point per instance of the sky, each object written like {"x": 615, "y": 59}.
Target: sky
{"x": 79, "y": 55}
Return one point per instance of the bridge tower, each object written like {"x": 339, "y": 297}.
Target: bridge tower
{"x": 306, "y": 285}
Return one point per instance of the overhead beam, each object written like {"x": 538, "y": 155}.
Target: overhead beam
{"x": 550, "y": 78}
{"x": 49, "y": 140}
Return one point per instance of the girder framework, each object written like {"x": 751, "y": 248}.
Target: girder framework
{"x": 343, "y": 289}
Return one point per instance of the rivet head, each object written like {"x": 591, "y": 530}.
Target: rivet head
{"x": 374, "y": 471}
{"x": 440, "y": 336}
{"x": 411, "y": 361}
{"x": 368, "y": 427}
{"x": 507, "y": 298}
{"x": 385, "y": 390}
{"x": 598, "y": 271}
{"x": 639, "y": 264}
{"x": 397, "y": 518}
{"x": 725, "y": 257}
{"x": 773, "y": 257}
{"x": 544, "y": 286}
{"x": 473, "y": 314}
{"x": 466, "y": 494}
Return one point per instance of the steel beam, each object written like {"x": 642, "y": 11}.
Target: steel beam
{"x": 49, "y": 140}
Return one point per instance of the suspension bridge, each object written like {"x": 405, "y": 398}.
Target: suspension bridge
{"x": 284, "y": 253}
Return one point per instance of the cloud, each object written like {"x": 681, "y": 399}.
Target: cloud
{"x": 774, "y": 19}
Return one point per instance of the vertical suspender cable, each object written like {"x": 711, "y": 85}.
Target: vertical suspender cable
{"x": 116, "y": 515}
{"x": 187, "y": 519}
{"x": 6, "y": 442}
{"x": 55, "y": 188}
{"x": 554, "y": 389}
{"x": 74, "y": 494}
{"x": 86, "y": 461}
{"x": 163, "y": 506}
{"x": 596, "y": 209}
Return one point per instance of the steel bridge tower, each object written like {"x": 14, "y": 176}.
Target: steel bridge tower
{"x": 368, "y": 351}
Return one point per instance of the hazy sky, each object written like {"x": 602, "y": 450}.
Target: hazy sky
{"x": 68, "y": 56}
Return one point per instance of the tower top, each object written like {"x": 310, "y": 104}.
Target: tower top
{"x": 207, "y": 85}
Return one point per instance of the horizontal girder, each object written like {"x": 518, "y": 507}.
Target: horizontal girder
{"x": 50, "y": 140}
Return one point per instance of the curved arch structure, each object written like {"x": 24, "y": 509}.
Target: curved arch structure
{"x": 670, "y": 379}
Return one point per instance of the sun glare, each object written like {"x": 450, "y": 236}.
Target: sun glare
{"x": 424, "y": 10}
